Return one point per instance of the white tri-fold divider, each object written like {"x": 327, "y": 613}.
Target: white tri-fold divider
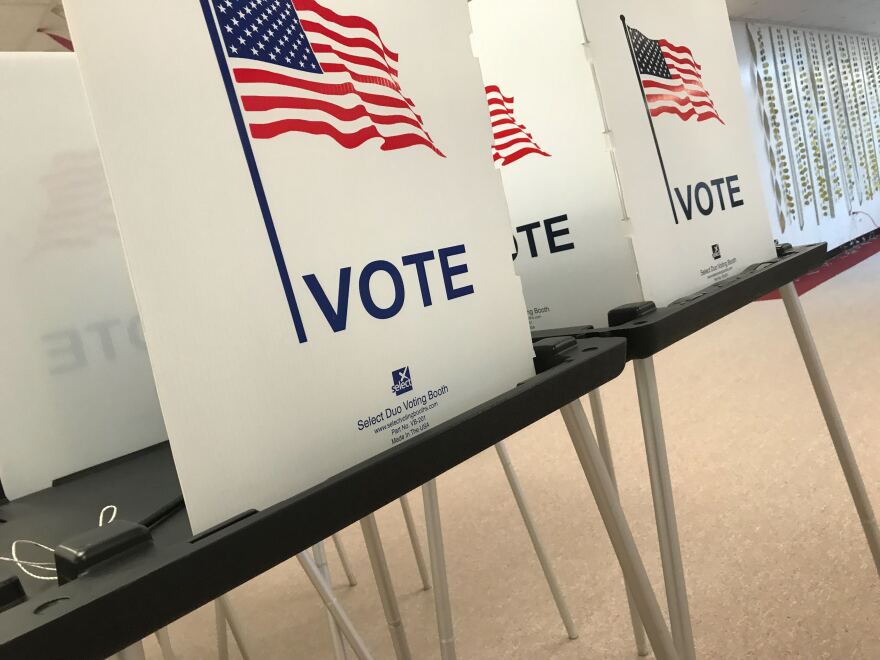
{"x": 78, "y": 390}
{"x": 644, "y": 104}
{"x": 72, "y": 340}
{"x": 272, "y": 216}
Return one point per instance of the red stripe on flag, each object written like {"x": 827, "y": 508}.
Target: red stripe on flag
{"x": 509, "y": 120}
{"x": 261, "y": 76}
{"x": 336, "y": 67}
{"x": 347, "y": 140}
{"x": 519, "y": 140}
{"x": 57, "y": 38}
{"x": 651, "y": 84}
{"x": 669, "y": 110}
{"x": 654, "y": 98}
{"x": 684, "y": 62}
{"x": 522, "y": 153}
{"x": 354, "y": 59}
{"x": 678, "y": 49}
{"x": 685, "y": 72}
{"x": 265, "y": 103}
{"x": 352, "y": 42}
{"x": 500, "y": 135}
{"x": 490, "y": 89}
{"x": 353, "y": 22}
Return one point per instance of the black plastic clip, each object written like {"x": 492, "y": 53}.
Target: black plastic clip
{"x": 783, "y": 249}
{"x": 11, "y": 592}
{"x": 630, "y": 312}
{"x": 83, "y": 552}
{"x": 551, "y": 352}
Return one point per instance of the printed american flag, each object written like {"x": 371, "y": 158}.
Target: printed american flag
{"x": 79, "y": 212}
{"x": 301, "y": 67}
{"x": 671, "y": 79}
{"x": 511, "y": 139}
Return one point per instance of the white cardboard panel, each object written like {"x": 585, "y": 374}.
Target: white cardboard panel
{"x": 729, "y": 228}
{"x": 255, "y": 414}
{"x": 75, "y": 385}
{"x": 534, "y": 53}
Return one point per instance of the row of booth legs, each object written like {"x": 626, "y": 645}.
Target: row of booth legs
{"x": 675, "y": 642}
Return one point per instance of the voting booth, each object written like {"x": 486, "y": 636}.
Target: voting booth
{"x": 644, "y": 100}
{"x": 288, "y": 250}
{"x": 325, "y": 236}
{"x": 340, "y": 229}
{"x": 78, "y": 386}
{"x": 469, "y": 271}
{"x": 328, "y": 214}
{"x": 643, "y": 187}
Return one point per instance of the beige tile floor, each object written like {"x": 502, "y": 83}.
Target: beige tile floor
{"x": 775, "y": 559}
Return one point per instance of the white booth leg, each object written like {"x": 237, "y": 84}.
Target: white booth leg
{"x": 343, "y": 559}
{"x": 385, "y": 586}
{"x": 224, "y": 608}
{"x": 832, "y": 418}
{"x": 664, "y": 508}
{"x": 133, "y": 652}
{"x": 544, "y": 560}
{"x": 414, "y": 541}
{"x": 164, "y": 640}
{"x": 320, "y": 557}
{"x": 601, "y": 428}
{"x": 222, "y": 635}
{"x": 618, "y": 530}
{"x": 333, "y": 606}
{"x": 442, "y": 601}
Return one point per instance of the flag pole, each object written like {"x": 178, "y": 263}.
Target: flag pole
{"x": 632, "y": 54}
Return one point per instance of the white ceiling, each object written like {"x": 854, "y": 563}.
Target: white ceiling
{"x": 847, "y": 15}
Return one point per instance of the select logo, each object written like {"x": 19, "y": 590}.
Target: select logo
{"x": 402, "y": 381}
{"x": 716, "y": 252}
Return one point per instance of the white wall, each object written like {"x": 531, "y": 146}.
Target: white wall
{"x": 835, "y": 232}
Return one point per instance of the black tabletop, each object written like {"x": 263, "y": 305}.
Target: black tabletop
{"x": 650, "y": 333}
{"x": 161, "y": 573}
{"x": 141, "y": 487}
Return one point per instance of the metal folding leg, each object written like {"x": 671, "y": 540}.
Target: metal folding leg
{"x": 320, "y": 557}
{"x": 226, "y": 615}
{"x": 164, "y": 640}
{"x": 605, "y": 449}
{"x": 618, "y": 530}
{"x": 413, "y": 532}
{"x": 664, "y": 508}
{"x": 385, "y": 587}
{"x": 222, "y": 635}
{"x": 442, "y": 602}
{"x": 343, "y": 559}
{"x": 832, "y": 419}
{"x": 543, "y": 559}
{"x": 330, "y": 602}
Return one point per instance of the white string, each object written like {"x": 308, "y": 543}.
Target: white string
{"x": 49, "y": 566}
{"x": 101, "y": 520}
{"x": 22, "y": 564}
